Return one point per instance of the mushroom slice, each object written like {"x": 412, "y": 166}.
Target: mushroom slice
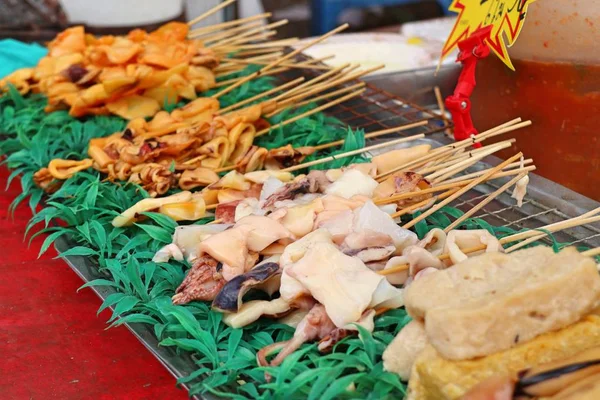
{"x": 230, "y": 297}
{"x": 202, "y": 282}
{"x": 130, "y": 215}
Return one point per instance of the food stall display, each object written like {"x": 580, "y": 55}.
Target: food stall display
{"x": 265, "y": 245}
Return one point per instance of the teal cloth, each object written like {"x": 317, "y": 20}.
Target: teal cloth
{"x": 15, "y": 54}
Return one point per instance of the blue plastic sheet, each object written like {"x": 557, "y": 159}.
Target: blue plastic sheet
{"x": 15, "y": 54}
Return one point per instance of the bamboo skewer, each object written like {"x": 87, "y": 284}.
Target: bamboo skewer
{"x": 237, "y": 41}
{"x": 214, "y": 36}
{"x": 485, "y": 201}
{"x": 248, "y": 33}
{"x": 451, "y": 159}
{"x": 275, "y": 43}
{"x": 445, "y": 173}
{"x": 446, "y": 186}
{"x": 306, "y": 65}
{"x": 323, "y": 97}
{"x": 253, "y": 52}
{"x": 351, "y": 153}
{"x": 416, "y": 206}
{"x": 280, "y": 60}
{"x": 261, "y": 95}
{"x": 221, "y": 27}
{"x": 373, "y": 134}
{"x": 478, "y": 173}
{"x": 543, "y": 235}
{"x": 310, "y": 112}
{"x": 592, "y": 252}
{"x": 234, "y": 80}
{"x": 210, "y": 12}
{"x": 445, "y": 150}
{"x": 559, "y": 226}
{"x": 316, "y": 99}
{"x": 319, "y": 88}
{"x": 465, "y": 189}
{"x": 313, "y": 81}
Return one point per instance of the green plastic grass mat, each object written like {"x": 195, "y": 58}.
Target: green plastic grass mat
{"x": 226, "y": 358}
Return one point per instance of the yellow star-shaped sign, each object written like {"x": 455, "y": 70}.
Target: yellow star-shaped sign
{"x": 505, "y": 16}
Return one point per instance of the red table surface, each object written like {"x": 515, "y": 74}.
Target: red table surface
{"x": 52, "y": 344}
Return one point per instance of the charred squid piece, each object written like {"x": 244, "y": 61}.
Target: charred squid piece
{"x": 225, "y": 212}
{"x": 315, "y": 182}
{"x": 203, "y": 282}
{"x": 328, "y": 342}
{"x": 288, "y": 156}
{"x": 403, "y": 182}
{"x": 229, "y": 299}
{"x": 288, "y": 192}
{"x": 551, "y": 378}
{"x": 315, "y": 325}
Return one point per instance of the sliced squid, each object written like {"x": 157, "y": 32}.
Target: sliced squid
{"x": 459, "y": 240}
{"x": 264, "y": 231}
{"x": 130, "y": 215}
{"x": 368, "y": 246}
{"x": 167, "y": 252}
{"x": 352, "y": 182}
{"x": 229, "y": 247}
{"x": 373, "y": 218}
{"x": 343, "y": 284}
{"x": 300, "y": 220}
{"x": 291, "y": 289}
{"x": 188, "y": 237}
{"x": 315, "y": 325}
{"x": 520, "y": 190}
{"x": 251, "y": 311}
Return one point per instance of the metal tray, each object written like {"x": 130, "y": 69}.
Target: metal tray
{"x": 545, "y": 203}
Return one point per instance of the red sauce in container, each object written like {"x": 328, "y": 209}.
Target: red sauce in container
{"x": 557, "y": 86}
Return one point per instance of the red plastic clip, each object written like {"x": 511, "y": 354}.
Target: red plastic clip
{"x": 471, "y": 49}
